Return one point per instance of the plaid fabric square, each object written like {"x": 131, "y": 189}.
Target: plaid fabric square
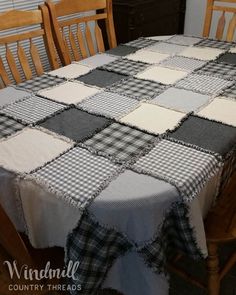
{"x": 184, "y": 167}
{"x": 183, "y": 40}
{"x": 41, "y": 82}
{"x": 183, "y": 63}
{"x": 97, "y": 60}
{"x": 167, "y": 48}
{"x": 141, "y": 43}
{"x": 230, "y": 91}
{"x": 126, "y": 66}
{"x": 96, "y": 248}
{"x": 71, "y": 71}
{"x": 78, "y": 176}
{"x": 111, "y": 105}
{"x": 10, "y": 95}
{"x": 9, "y": 126}
{"x": 120, "y": 141}
{"x": 223, "y": 70}
{"x": 33, "y": 109}
{"x": 204, "y": 84}
{"x": 138, "y": 88}
{"x": 214, "y": 44}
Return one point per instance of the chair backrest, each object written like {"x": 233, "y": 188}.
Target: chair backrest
{"x": 67, "y": 45}
{"x": 212, "y": 7}
{"x": 16, "y": 19}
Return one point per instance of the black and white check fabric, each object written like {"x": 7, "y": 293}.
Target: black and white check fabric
{"x": 224, "y": 70}
{"x": 138, "y": 88}
{"x": 126, "y": 66}
{"x": 120, "y": 141}
{"x": 214, "y": 44}
{"x": 77, "y": 175}
{"x": 206, "y": 84}
{"x": 141, "y": 43}
{"x": 41, "y": 82}
{"x": 230, "y": 92}
{"x": 96, "y": 249}
{"x": 33, "y": 109}
{"x": 9, "y": 126}
{"x": 183, "y": 63}
{"x": 184, "y": 167}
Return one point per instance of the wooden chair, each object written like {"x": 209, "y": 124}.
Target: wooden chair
{"x": 220, "y": 228}
{"x": 18, "y": 248}
{"x": 15, "y": 19}
{"x": 67, "y": 45}
{"x": 211, "y": 7}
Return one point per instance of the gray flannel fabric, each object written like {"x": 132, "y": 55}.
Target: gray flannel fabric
{"x": 101, "y": 78}
{"x": 41, "y": 82}
{"x": 9, "y": 126}
{"x": 230, "y": 91}
{"x": 33, "y": 109}
{"x": 97, "y": 60}
{"x": 141, "y": 43}
{"x": 229, "y": 58}
{"x": 78, "y": 175}
{"x": 167, "y": 48}
{"x": 183, "y": 40}
{"x": 214, "y": 43}
{"x": 10, "y": 95}
{"x": 96, "y": 248}
{"x": 223, "y": 70}
{"x": 111, "y": 105}
{"x": 75, "y": 124}
{"x": 122, "y": 50}
{"x": 120, "y": 141}
{"x": 209, "y": 135}
{"x": 126, "y": 66}
{"x": 183, "y": 63}
{"x": 206, "y": 84}
{"x": 184, "y": 167}
{"x": 138, "y": 88}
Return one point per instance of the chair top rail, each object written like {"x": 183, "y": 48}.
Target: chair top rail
{"x": 85, "y": 19}
{"x": 21, "y": 37}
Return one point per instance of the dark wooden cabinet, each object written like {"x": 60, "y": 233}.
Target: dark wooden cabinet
{"x": 135, "y": 18}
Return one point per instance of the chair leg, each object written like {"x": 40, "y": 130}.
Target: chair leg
{"x": 213, "y": 270}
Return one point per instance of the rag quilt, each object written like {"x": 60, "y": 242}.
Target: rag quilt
{"x": 163, "y": 109}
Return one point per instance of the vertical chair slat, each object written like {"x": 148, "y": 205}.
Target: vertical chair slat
{"x": 99, "y": 38}
{"x": 66, "y": 42}
{"x": 36, "y": 58}
{"x": 3, "y": 74}
{"x": 81, "y": 42}
{"x": 231, "y": 29}
{"x": 74, "y": 46}
{"x": 89, "y": 40}
{"x": 220, "y": 27}
{"x": 12, "y": 65}
{"x": 24, "y": 62}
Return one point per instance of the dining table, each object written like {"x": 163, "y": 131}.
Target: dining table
{"x": 119, "y": 157}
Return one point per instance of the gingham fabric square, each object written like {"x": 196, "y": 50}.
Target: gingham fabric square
{"x": 153, "y": 118}
{"x": 230, "y": 91}
{"x": 204, "y": 84}
{"x": 229, "y": 58}
{"x": 182, "y": 63}
{"x": 33, "y": 109}
{"x": 30, "y": 149}
{"x": 111, "y": 105}
{"x": 71, "y": 71}
{"x": 167, "y": 48}
{"x": 121, "y": 50}
{"x": 96, "y": 248}
{"x": 9, "y": 126}
{"x": 41, "y": 82}
{"x": 120, "y": 141}
{"x": 201, "y": 53}
{"x": 183, "y": 40}
{"x": 10, "y": 95}
{"x": 223, "y": 70}
{"x": 214, "y": 44}
{"x": 181, "y": 99}
{"x": 69, "y": 92}
{"x": 97, "y": 60}
{"x": 162, "y": 75}
{"x": 147, "y": 56}
{"x": 141, "y": 43}
{"x": 77, "y": 175}
{"x": 186, "y": 168}
{"x": 221, "y": 110}
{"x": 138, "y": 88}
{"x": 126, "y": 66}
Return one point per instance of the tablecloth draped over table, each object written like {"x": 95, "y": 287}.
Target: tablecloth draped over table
{"x": 119, "y": 157}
